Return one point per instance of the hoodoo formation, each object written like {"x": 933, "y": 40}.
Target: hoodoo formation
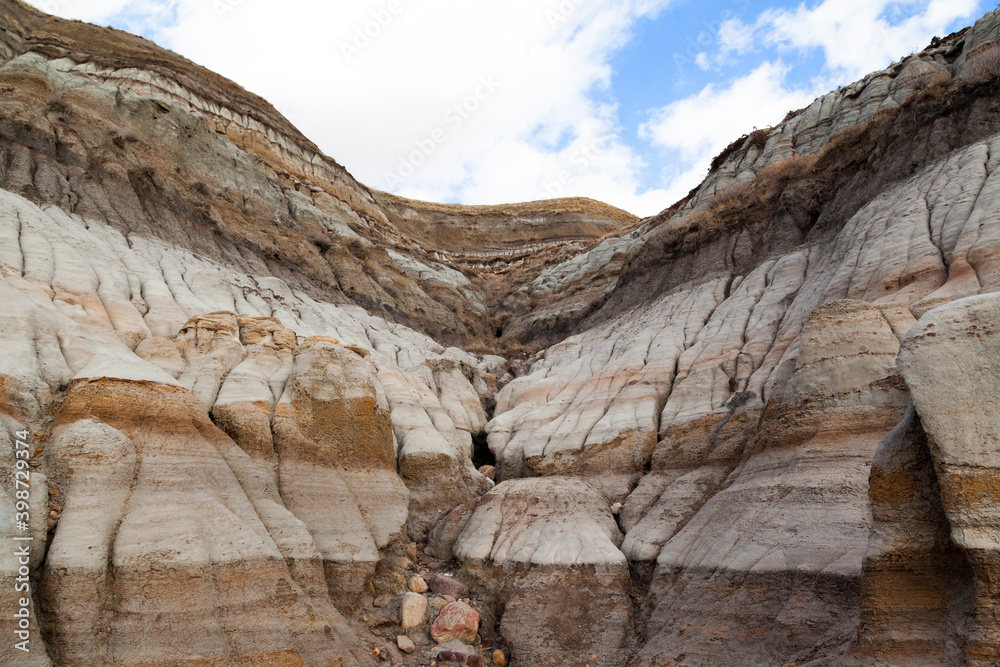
{"x": 257, "y": 413}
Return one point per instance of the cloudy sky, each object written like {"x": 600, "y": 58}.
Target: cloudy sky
{"x": 481, "y": 102}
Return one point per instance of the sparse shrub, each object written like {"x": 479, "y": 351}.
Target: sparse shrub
{"x": 844, "y": 136}
{"x": 358, "y": 248}
{"x": 56, "y": 103}
{"x": 786, "y": 170}
{"x": 736, "y": 194}
{"x": 756, "y": 139}
{"x": 667, "y": 236}
{"x": 883, "y": 114}
{"x": 983, "y": 65}
{"x": 450, "y": 301}
{"x": 320, "y": 240}
{"x": 856, "y": 142}
{"x": 937, "y": 81}
{"x": 709, "y": 226}
{"x": 400, "y": 281}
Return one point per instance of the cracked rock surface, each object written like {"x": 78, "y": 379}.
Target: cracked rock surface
{"x": 266, "y": 406}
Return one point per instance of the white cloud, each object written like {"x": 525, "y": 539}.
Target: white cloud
{"x": 372, "y": 81}
{"x": 736, "y": 36}
{"x": 856, "y": 36}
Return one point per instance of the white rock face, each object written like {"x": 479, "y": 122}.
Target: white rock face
{"x": 547, "y": 550}
{"x": 759, "y": 430}
{"x": 738, "y": 334}
{"x": 675, "y": 503}
{"x": 437, "y": 273}
{"x": 198, "y": 325}
{"x": 220, "y": 455}
{"x": 137, "y": 273}
{"x": 951, "y": 362}
{"x": 549, "y": 521}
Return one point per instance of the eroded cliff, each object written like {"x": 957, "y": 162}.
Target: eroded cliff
{"x": 261, "y": 419}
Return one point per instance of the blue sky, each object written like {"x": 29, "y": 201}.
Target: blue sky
{"x": 476, "y": 101}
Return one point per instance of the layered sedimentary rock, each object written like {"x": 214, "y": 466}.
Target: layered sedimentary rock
{"x": 954, "y": 383}
{"x": 784, "y": 537}
{"x": 547, "y": 553}
{"x": 916, "y": 593}
{"x": 337, "y": 461}
{"x": 186, "y": 542}
{"x": 200, "y": 511}
{"x": 763, "y": 394}
{"x": 248, "y": 421}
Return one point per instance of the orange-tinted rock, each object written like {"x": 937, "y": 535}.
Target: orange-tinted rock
{"x": 185, "y": 528}
{"x": 456, "y": 621}
{"x": 916, "y": 589}
{"x": 334, "y": 443}
{"x": 951, "y": 362}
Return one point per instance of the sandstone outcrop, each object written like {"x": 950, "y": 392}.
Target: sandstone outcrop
{"x": 758, "y": 428}
{"x": 916, "y": 591}
{"x": 954, "y": 383}
{"x": 547, "y": 552}
{"x": 791, "y": 543}
{"x": 274, "y": 469}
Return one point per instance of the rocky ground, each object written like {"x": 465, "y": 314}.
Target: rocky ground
{"x": 258, "y": 414}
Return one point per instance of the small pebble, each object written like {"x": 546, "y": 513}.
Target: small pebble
{"x": 400, "y": 562}
{"x": 405, "y": 644}
{"x": 412, "y": 610}
{"x": 443, "y": 585}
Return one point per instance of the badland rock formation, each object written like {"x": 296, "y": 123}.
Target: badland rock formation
{"x": 274, "y": 417}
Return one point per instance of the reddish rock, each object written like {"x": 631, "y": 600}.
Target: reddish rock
{"x": 456, "y": 621}
{"x": 447, "y": 586}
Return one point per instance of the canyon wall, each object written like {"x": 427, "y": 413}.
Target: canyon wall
{"x": 263, "y": 415}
